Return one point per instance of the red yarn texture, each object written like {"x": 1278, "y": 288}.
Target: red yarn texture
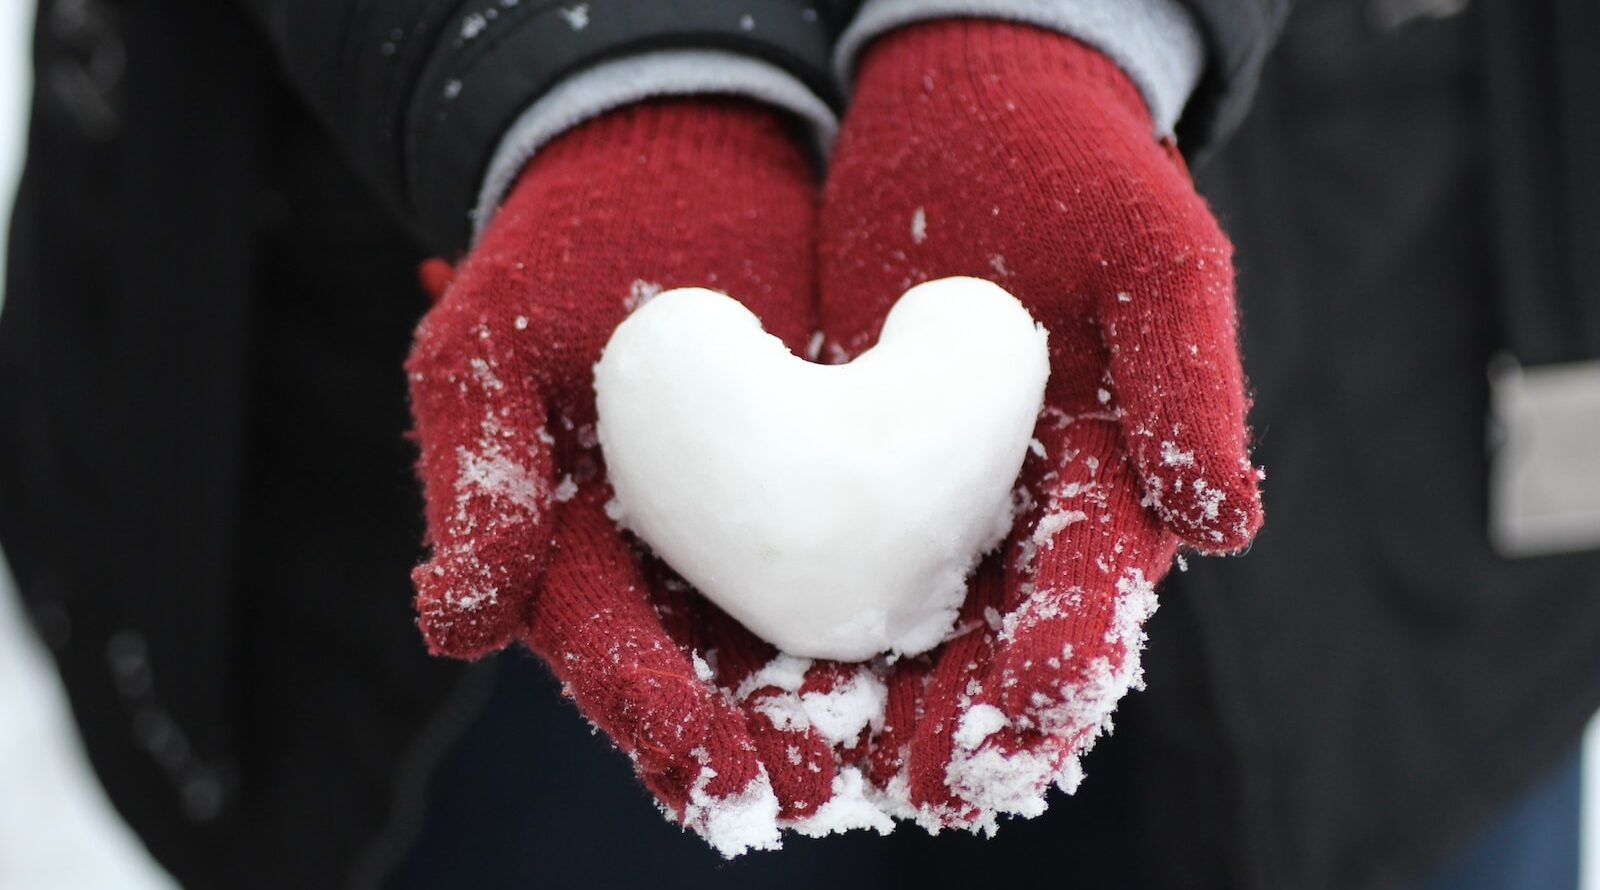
{"x": 1019, "y": 155}
{"x": 659, "y": 195}
{"x": 972, "y": 148}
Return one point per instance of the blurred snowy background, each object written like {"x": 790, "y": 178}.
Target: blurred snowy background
{"x": 57, "y": 831}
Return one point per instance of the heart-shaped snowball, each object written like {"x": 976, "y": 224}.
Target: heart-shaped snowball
{"x": 834, "y": 510}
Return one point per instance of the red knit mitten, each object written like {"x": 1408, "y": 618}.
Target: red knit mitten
{"x": 1019, "y": 155}
{"x": 659, "y": 195}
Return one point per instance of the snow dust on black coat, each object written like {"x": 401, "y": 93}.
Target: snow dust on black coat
{"x": 206, "y": 499}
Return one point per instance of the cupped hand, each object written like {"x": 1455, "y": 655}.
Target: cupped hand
{"x": 1019, "y": 155}
{"x": 702, "y": 192}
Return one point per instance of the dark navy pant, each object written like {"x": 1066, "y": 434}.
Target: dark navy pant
{"x": 1533, "y": 847}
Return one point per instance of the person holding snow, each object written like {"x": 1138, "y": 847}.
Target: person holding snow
{"x": 1131, "y": 277}
{"x": 212, "y": 262}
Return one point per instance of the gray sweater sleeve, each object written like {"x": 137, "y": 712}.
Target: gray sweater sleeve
{"x": 618, "y": 82}
{"x": 1154, "y": 41}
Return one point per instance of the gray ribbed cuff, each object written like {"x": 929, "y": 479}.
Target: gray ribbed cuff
{"x": 613, "y": 84}
{"x": 1156, "y": 42}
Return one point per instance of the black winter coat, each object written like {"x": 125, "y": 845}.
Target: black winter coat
{"x": 207, "y": 501}
{"x": 1408, "y": 203}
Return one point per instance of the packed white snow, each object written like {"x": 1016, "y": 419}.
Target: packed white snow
{"x": 835, "y": 510}
{"x": 850, "y": 808}
{"x": 839, "y": 716}
{"x": 733, "y": 825}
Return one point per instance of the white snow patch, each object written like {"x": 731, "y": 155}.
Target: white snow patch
{"x": 1210, "y": 499}
{"x": 991, "y": 618}
{"x": 1000, "y": 784}
{"x": 838, "y": 716}
{"x": 577, "y": 16}
{"x": 977, "y": 724}
{"x": 785, "y": 672}
{"x": 851, "y": 807}
{"x": 702, "y": 669}
{"x": 841, "y": 714}
{"x": 1071, "y": 774}
{"x": 814, "y": 346}
{"x": 1173, "y": 456}
{"x": 1087, "y": 704}
{"x": 735, "y": 824}
{"x": 472, "y": 599}
{"x": 640, "y": 292}
{"x": 894, "y": 799}
{"x": 1041, "y": 606}
{"x": 1044, "y": 535}
{"x": 498, "y": 476}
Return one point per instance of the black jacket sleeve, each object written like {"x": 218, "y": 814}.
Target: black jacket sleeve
{"x": 419, "y": 92}
{"x": 1239, "y": 34}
